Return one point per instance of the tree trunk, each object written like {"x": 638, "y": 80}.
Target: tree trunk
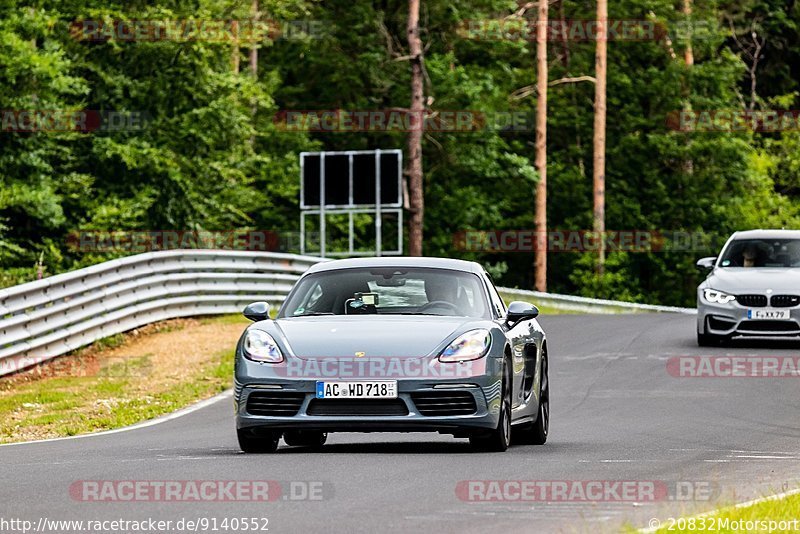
{"x": 254, "y": 44}
{"x": 254, "y": 14}
{"x": 599, "y": 170}
{"x": 235, "y": 46}
{"x": 415, "y": 183}
{"x": 688, "y": 57}
{"x": 540, "y": 265}
{"x": 688, "y": 54}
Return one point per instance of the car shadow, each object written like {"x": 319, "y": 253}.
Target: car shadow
{"x": 400, "y": 447}
{"x": 746, "y": 343}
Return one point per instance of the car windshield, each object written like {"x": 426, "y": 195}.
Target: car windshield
{"x": 762, "y": 253}
{"x": 388, "y": 290}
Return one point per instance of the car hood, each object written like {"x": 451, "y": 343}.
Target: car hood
{"x": 739, "y": 280}
{"x": 375, "y": 336}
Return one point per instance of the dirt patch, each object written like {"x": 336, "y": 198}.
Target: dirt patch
{"x": 168, "y": 346}
{"x": 121, "y": 380}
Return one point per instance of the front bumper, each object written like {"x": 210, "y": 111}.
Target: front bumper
{"x": 730, "y": 320}
{"x": 421, "y": 406}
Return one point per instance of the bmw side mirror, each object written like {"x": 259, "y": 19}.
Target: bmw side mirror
{"x": 257, "y": 311}
{"x": 706, "y": 263}
{"x": 521, "y": 311}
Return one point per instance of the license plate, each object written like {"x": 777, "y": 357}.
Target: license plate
{"x": 374, "y": 389}
{"x": 768, "y": 314}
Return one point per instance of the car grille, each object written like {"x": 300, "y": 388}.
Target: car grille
{"x": 357, "y": 407}
{"x": 768, "y": 326}
{"x": 752, "y": 301}
{"x": 785, "y": 301}
{"x": 274, "y": 403}
{"x": 444, "y": 403}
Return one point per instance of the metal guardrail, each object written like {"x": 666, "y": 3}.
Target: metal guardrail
{"x": 50, "y": 317}
{"x": 44, "y": 319}
{"x": 589, "y": 305}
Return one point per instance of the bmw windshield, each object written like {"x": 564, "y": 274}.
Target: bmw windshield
{"x": 762, "y": 253}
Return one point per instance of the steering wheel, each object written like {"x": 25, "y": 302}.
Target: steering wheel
{"x": 439, "y": 304}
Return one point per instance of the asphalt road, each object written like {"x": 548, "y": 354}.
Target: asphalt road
{"x": 617, "y": 415}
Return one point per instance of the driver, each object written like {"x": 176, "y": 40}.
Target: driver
{"x": 750, "y": 254}
{"x": 442, "y": 289}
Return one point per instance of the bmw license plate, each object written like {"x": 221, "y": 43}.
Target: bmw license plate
{"x": 374, "y": 389}
{"x": 766, "y": 313}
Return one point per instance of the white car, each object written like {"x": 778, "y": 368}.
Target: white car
{"x": 752, "y": 289}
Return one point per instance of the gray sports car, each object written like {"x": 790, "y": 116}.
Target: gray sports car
{"x": 752, "y": 289}
{"x": 392, "y": 344}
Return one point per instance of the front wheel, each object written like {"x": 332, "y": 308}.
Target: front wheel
{"x": 499, "y": 439}
{"x": 258, "y": 442}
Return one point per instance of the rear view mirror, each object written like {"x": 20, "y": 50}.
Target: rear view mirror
{"x": 706, "y": 263}
{"x": 257, "y": 311}
{"x": 521, "y": 311}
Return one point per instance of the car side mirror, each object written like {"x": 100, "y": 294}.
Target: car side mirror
{"x": 257, "y": 311}
{"x": 706, "y": 263}
{"x": 521, "y": 311}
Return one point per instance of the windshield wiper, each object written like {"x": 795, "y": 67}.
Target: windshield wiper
{"x": 313, "y": 313}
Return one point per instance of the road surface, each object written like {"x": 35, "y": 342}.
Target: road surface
{"x": 617, "y": 415}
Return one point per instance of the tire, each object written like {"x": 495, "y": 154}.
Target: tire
{"x": 264, "y": 442}
{"x": 709, "y": 340}
{"x": 305, "y": 438}
{"x": 535, "y": 433}
{"x": 499, "y": 439}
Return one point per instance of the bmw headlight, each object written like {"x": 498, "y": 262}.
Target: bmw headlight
{"x": 471, "y": 345}
{"x": 261, "y": 347}
{"x": 717, "y": 297}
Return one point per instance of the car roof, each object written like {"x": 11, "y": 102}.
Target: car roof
{"x": 398, "y": 261}
{"x": 767, "y": 234}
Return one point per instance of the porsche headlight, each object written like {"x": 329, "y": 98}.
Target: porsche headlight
{"x": 261, "y": 347}
{"x": 471, "y": 345}
{"x": 717, "y": 297}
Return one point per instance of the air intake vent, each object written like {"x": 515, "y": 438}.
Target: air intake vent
{"x": 357, "y": 407}
{"x": 274, "y": 403}
{"x": 789, "y": 327}
{"x": 444, "y": 403}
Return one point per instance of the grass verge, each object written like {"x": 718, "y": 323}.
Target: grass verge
{"x": 121, "y": 380}
{"x": 543, "y": 308}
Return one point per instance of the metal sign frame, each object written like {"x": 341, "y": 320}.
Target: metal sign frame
{"x": 377, "y": 209}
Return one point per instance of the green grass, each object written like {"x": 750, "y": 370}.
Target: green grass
{"x": 119, "y": 393}
{"x": 543, "y": 308}
{"x": 737, "y": 520}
